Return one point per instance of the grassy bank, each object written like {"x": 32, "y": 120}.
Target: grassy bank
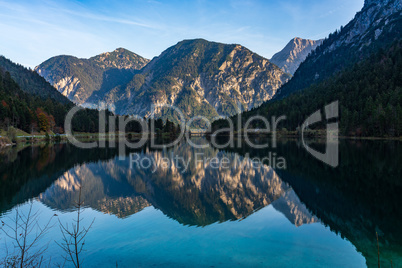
{"x": 16, "y": 136}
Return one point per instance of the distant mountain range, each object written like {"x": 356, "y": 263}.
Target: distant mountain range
{"x": 294, "y": 53}
{"x": 200, "y": 77}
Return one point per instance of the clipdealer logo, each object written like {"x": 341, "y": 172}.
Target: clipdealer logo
{"x": 331, "y": 155}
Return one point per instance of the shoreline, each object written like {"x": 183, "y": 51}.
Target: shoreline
{"x": 309, "y": 135}
{"x": 82, "y": 137}
{"x": 5, "y": 142}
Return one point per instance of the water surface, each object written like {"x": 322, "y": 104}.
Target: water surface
{"x": 193, "y": 214}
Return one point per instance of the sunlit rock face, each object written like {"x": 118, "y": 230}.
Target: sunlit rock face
{"x": 294, "y": 53}
{"x": 192, "y": 186}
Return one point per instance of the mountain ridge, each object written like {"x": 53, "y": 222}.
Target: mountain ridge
{"x": 80, "y": 78}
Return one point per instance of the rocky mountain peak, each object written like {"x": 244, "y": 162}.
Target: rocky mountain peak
{"x": 120, "y": 50}
{"x": 120, "y": 58}
{"x": 294, "y": 53}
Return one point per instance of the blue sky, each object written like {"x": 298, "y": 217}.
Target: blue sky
{"x": 32, "y": 31}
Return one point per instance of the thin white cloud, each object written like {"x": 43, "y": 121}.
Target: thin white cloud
{"x": 332, "y": 11}
{"x": 93, "y": 16}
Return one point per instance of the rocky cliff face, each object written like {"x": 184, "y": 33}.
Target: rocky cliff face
{"x": 368, "y": 25}
{"x": 79, "y": 79}
{"x": 294, "y": 53}
{"x": 203, "y": 78}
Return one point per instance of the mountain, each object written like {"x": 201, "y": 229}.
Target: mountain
{"x": 375, "y": 27}
{"x": 359, "y": 66}
{"x": 202, "y": 78}
{"x": 30, "y": 82}
{"x": 80, "y": 79}
{"x": 294, "y": 53}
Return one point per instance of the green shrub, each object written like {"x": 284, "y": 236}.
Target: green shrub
{"x": 12, "y": 134}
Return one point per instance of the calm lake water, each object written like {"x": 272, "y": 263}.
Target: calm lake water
{"x": 179, "y": 209}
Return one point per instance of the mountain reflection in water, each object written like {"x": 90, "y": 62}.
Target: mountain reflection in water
{"x": 197, "y": 194}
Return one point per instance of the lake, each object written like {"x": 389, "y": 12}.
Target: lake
{"x": 189, "y": 207}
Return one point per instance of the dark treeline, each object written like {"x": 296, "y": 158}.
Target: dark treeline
{"x": 31, "y": 82}
{"x": 28, "y": 102}
{"x": 369, "y": 95}
{"x": 32, "y": 113}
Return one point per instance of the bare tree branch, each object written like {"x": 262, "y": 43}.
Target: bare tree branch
{"x": 73, "y": 240}
{"x": 25, "y": 232}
